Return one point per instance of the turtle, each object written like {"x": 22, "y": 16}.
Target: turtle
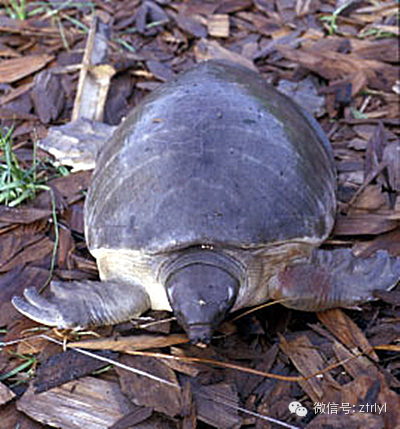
{"x": 214, "y": 194}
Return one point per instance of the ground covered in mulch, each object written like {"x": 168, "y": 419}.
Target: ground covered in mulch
{"x": 340, "y": 59}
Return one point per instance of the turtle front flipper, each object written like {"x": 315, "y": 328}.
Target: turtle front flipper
{"x": 81, "y": 304}
{"x": 335, "y": 278}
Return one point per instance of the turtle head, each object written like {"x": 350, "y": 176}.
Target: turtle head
{"x": 201, "y": 295}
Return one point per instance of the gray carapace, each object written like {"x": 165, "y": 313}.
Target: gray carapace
{"x": 213, "y": 195}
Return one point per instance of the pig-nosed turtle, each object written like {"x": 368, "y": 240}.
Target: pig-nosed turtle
{"x": 213, "y": 195}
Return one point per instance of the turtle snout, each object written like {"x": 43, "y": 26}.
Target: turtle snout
{"x": 201, "y": 296}
{"x": 200, "y": 334}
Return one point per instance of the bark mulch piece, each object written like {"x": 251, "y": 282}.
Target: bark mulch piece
{"x": 341, "y": 367}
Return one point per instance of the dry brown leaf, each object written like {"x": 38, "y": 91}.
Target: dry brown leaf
{"x": 211, "y": 49}
{"x": 15, "y": 93}
{"x": 191, "y": 24}
{"x": 88, "y": 403}
{"x": 160, "y": 70}
{"x": 389, "y": 241}
{"x": 18, "y": 68}
{"x": 34, "y": 252}
{"x": 17, "y": 26}
{"x": 337, "y": 322}
{"x": 378, "y": 50}
{"x": 336, "y": 66}
{"x": 146, "y": 392}
{"x": 365, "y": 223}
{"x": 135, "y": 342}
{"x": 22, "y": 215}
{"x": 230, "y": 6}
{"x": 354, "y": 364}
{"x": 5, "y": 394}
{"x": 307, "y": 359}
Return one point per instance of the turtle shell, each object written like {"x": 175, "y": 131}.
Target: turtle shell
{"x": 216, "y": 157}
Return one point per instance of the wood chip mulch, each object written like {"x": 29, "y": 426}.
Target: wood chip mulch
{"x": 342, "y": 367}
